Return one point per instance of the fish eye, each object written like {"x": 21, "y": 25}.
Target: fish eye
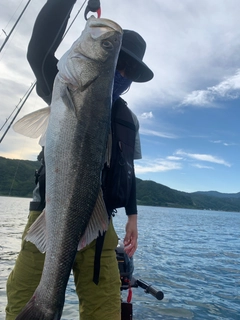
{"x": 107, "y": 44}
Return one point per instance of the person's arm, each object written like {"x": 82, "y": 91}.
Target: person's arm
{"x": 47, "y": 34}
{"x": 130, "y": 240}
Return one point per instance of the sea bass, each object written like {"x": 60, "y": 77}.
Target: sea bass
{"x": 75, "y": 152}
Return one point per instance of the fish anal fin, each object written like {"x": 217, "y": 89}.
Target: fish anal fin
{"x": 98, "y": 223}
{"x": 37, "y": 233}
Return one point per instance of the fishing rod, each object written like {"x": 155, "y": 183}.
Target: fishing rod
{"x": 32, "y": 86}
{"x": 16, "y": 108}
{"x": 23, "y": 102}
{"x": 9, "y": 116}
{"x": 8, "y": 35}
{"x": 76, "y": 15}
{"x": 128, "y": 281}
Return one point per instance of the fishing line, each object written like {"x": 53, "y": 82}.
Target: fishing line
{"x": 74, "y": 19}
{"x": 9, "y": 116}
{"x": 3, "y": 30}
{"x": 18, "y": 19}
{"x": 49, "y": 50}
{"x": 15, "y": 109}
{"x": 13, "y": 180}
{"x": 23, "y": 102}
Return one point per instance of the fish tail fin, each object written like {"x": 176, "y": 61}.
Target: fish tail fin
{"x": 34, "y": 311}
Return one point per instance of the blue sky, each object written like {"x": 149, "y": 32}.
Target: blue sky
{"x": 189, "y": 113}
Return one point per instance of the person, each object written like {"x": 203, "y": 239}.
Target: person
{"x": 100, "y": 301}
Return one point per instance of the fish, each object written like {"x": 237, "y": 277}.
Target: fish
{"x": 76, "y": 141}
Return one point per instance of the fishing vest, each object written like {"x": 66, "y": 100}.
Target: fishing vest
{"x": 118, "y": 176}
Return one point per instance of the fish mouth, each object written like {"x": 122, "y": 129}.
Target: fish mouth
{"x": 104, "y": 23}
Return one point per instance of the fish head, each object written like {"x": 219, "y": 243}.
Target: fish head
{"x": 93, "y": 55}
{"x": 100, "y": 40}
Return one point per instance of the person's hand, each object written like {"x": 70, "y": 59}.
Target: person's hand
{"x": 130, "y": 240}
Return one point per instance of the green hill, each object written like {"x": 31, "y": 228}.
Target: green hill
{"x": 155, "y": 194}
{"x": 17, "y": 179}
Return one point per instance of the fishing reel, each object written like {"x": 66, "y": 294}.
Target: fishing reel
{"x": 126, "y": 268}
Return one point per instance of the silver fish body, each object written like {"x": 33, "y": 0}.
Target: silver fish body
{"x": 75, "y": 151}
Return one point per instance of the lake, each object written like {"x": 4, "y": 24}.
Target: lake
{"x": 193, "y": 256}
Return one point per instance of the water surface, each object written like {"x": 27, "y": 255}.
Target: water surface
{"x": 193, "y": 256}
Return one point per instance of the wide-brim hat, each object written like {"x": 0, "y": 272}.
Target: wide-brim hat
{"x": 134, "y": 46}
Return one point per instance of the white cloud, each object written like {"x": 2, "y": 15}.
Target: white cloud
{"x": 190, "y": 45}
{"x": 156, "y": 165}
{"x": 203, "y": 157}
{"x": 146, "y": 115}
{"x": 200, "y": 166}
{"x": 226, "y": 144}
{"x": 227, "y": 89}
{"x": 148, "y": 132}
{"x": 174, "y": 158}
{"x": 217, "y": 141}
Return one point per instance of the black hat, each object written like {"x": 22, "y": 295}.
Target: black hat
{"x": 133, "y": 49}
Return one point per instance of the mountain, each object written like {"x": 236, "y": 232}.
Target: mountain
{"x": 219, "y": 194}
{"x": 155, "y": 194}
{"x": 17, "y": 179}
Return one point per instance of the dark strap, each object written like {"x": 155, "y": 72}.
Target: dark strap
{"x": 97, "y": 258}
{"x": 126, "y": 124}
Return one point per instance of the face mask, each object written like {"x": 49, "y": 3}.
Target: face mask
{"x": 120, "y": 85}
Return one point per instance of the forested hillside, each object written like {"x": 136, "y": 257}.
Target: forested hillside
{"x": 17, "y": 179}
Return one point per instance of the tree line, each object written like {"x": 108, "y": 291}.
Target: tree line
{"x": 17, "y": 178}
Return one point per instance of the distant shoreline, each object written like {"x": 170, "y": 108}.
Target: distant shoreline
{"x": 18, "y": 177}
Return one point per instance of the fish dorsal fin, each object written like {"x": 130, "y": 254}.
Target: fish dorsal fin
{"x": 97, "y": 223}
{"x": 34, "y": 124}
{"x": 37, "y": 233}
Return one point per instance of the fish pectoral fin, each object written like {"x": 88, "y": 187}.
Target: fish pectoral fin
{"x": 67, "y": 100}
{"x": 98, "y": 223}
{"x": 37, "y": 233}
{"x": 87, "y": 83}
{"x": 34, "y": 124}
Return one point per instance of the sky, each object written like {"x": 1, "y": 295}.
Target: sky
{"x": 189, "y": 113}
